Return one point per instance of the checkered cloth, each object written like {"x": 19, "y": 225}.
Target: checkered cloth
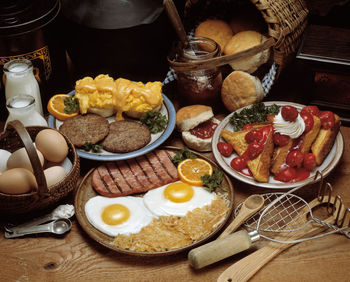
{"x": 266, "y": 82}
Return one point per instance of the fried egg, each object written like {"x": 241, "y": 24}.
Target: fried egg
{"x": 177, "y": 199}
{"x": 122, "y": 215}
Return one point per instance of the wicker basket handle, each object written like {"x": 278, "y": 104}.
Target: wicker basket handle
{"x": 33, "y": 156}
{"x": 222, "y": 60}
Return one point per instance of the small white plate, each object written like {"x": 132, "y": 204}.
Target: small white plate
{"x": 156, "y": 139}
{"x": 325, "y": 168}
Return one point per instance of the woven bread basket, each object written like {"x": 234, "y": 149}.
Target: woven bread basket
{"x": 17, "y": 136}
{"x": 286, "y": 21}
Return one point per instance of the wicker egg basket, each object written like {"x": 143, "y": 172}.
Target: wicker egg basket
{"x": 286, "y": 21}
{"x": 17, "y": 136}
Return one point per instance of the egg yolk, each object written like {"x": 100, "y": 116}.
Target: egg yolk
{"x": 178, "y": 192}
{"x": 115, "y": 214}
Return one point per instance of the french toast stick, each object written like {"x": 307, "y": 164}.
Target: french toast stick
{"x": 280, "y": 153}
{"x": 324, "y": 141}
{"x": 259, "y": 166}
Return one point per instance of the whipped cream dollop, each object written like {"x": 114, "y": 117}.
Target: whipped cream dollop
{"x": 292, "y": 129}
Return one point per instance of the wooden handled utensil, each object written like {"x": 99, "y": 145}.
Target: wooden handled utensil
{"x": 175, "y": 20}
{"x": 222, "y": 246}
{"x": 244, "y": 269}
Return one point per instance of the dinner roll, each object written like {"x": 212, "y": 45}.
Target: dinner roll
{"x": 240, "y": 89}
{"x": 243, "y": 41}
{"x": 217, "y": 30}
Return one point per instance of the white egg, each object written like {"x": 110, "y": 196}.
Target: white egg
{"x": 54, "y": 174}
{"x": 177, "y": 199}
{"x": 20, "y": 159}
{"x": 113, "y": 216}
{"x": 4, "y": 156}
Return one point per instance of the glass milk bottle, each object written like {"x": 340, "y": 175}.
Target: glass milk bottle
{"x": 20, "y": 80}
{"x": 22, "y": 108}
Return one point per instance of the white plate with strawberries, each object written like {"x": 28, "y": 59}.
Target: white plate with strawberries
{"x": 283, "y": 151}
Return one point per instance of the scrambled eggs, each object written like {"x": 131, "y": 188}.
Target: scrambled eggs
{"x": 122, "y": 95}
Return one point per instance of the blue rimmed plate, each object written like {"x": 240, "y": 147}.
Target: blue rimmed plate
{"x": 156, "y": 139}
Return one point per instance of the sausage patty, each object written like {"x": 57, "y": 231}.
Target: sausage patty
{"x": 85, "y": 128}
{"x": 126, "y": 136}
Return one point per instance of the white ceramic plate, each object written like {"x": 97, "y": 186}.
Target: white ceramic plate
{"x": 156, "y": 139}
{"x": 325, "y": 168}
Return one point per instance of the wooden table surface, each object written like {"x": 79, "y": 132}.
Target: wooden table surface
{"x": 76, "y": 257}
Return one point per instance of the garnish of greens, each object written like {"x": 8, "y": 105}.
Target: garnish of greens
{"x": 71, "y": 105}
{"x": 95, "y": 148}
{"x": 183, "y": 154}
{"x": 154, "y": 120}
{"x": 213, "y": 181}
{"x": 255, "y": 113}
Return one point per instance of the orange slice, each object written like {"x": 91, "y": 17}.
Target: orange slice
{"x": 191, "y": 170}
{"x": 56, "y": 107}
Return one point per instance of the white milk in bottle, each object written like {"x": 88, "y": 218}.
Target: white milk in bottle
{"x": 22, "y": 108}
{"x": 20, "y": 80}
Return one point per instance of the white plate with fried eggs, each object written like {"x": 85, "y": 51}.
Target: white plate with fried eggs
{"x": 104, "y": 218}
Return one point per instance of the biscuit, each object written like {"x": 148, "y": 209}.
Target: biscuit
{"x": 241, "y": 89}
{"x": 217, "y": 30}
{"x": 242, "y": 41}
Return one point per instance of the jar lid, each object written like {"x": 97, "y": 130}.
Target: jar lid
{"x": 22, "y": 16}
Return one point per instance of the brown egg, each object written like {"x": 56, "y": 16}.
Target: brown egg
{"x": 20, "y": 159}
{"x": 17, "y": 181}
{"x": 52, "y": 145}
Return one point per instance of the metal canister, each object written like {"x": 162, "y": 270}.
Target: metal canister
{"x": 30, "y": 29}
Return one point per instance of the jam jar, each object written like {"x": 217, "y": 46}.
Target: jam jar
{"x": 201, "y": 86}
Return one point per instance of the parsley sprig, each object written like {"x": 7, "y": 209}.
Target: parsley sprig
{"x": 213, "y": 181}
{"x": 95, "y": 148}
{"x": 71, "y": 105}
{"x": 255, "y": 113}
{"x": 154, "y": 120}
{"x": 183, "y": 154}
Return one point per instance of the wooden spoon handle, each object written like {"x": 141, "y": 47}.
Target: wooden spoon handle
{"x": 175, "y": 20}
{"x": 219, "y": 249}
{"x": 237, "y": 222}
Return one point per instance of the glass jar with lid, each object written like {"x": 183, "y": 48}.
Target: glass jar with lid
{"x": 20, "y": 80}
{"x": 22, "y": 108}
{"x": 201, "y": 86}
